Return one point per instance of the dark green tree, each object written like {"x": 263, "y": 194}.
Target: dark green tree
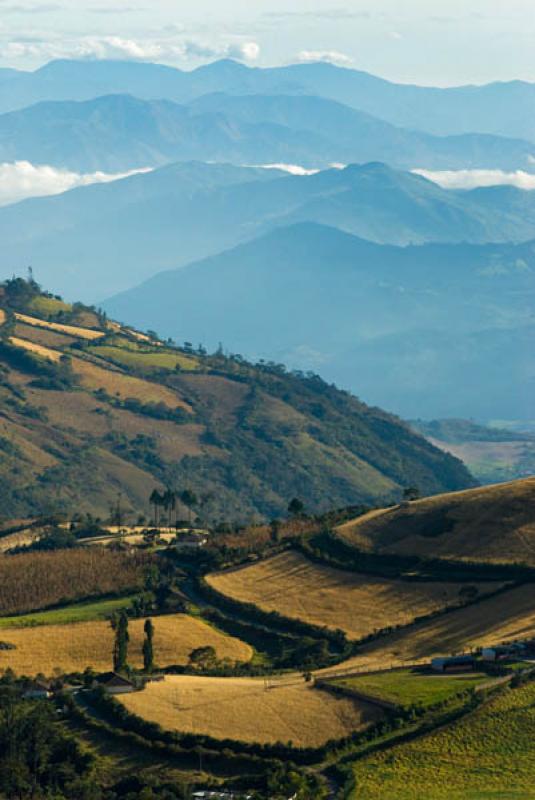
{"x": 296, "y": 507}
{"x": 148, "y": 648}
{"x": 122, "y": 637}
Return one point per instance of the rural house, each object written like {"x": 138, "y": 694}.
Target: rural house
{"x": 453, "y": 664}
{"x": 112, "y": 683}
{"x": 37, "y": 690}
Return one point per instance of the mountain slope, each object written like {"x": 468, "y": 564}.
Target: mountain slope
{"x": 456, "y": 110}
{"x": 98, "y": 240}
{"x": 90, "y": 410}
{"x": 495, "y": 523}
{"x": 396, "y": 324}
{"x": 120, "y": 132}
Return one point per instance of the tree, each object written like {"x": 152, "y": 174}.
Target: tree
{"x": 156, "y": 501}
{"x": 120, "y": 649}
{"x": 189, "y": 499}
{"x": 296, "y": 507}
{"x": 275, "y": 530}
{"x": 148, "y": 649}
{"x": 411, "y": 493}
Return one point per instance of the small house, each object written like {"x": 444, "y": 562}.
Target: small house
{"x": 37, "y": 690}
{"x": 112, "y": 683}
{"x": 503, "y": 652}
{"x": 453, "y": 664}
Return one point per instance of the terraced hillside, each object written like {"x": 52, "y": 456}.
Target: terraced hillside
{"x": 491, "y": 524}
{"x": 90, "y": 409}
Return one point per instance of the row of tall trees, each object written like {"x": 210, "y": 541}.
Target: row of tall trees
{"x": 164, "y": 505}
{"x": 119, "y": 623}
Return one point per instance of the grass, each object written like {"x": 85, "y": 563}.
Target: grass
{"x": 129, "y": 356}
{"x": 407, "y": 687}
{"x": 48, "y": 306}
{"x": 242, "y": 709}
{"x": 357, "y": 604}
{"x": 125, "y": 386}
{"x": 72, "y": 646}
{"x": 71, "y": 330}
{"x": 68, "y": 615}
{"x": 493, "y": 524}
{"x": 489, "y": 754}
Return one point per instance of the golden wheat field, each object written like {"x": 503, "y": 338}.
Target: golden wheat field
{"x": 506, "y": 617}
{"x": 244, "y": 710}
{"x": 358, "y": 604}
{"x": 37, "y": 349}
{"x": 71, "y": 330}
{"x": 72, "y": 648}
{"x": 491, "y": 523}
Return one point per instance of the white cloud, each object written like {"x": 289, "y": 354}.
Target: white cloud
{"x": 472, "y": 178}
{"x": 21, "y": 179}
{"x": 296, "y": 169}
{"x": 332, "y": 56}
{"x": 118, "y": 47}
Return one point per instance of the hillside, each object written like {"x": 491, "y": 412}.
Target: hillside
{"x": 91, "y": 409}
{"x": 494, "y": 523}
{"x": 120, "y": 132}
{"x": 490, "y": 453}
{"x": 407, "y": 322}
{"x": 456, "y": 110}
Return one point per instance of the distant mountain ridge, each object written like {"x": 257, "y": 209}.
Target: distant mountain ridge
{"x": 98, "y": 240}
{"x": 458, "y": 110}
{"x": 398, "y": 325}
{"x": 120, "y": 132}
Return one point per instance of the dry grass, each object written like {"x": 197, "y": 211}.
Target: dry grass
{"x": 493, "y": 523}
{"x": 506, "y": 617}
{"x": 2, "y": 316}
{"x": 42, "y": 336}
{"x": 36, "y": 349}
{"x": 71, "y": 330}
{"x": 73, "y": 647}
{"x": 118, "y": 384}
{"x": 358, "y": 604}
{"x": 241, "y": 709}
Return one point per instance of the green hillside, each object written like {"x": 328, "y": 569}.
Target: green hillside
{"x": 91, "y": 409}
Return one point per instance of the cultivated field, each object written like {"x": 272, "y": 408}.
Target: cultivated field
{"x": 31, "y": 581}
{"x": 116, "y": 383}
{"x": 358, "y": 604}
{"x": 407, "y": 687}
{"x": 86, "y": 611}
{"x": 242, "y": 709}
{"x": 37, "y": 349}
{"x": 494, "y": 523}
{"x": 142, "y": 359}
{"x": 73, "y": 647}
{"x": 490, "y": 754}
{"x": 505, "y": 617}
{"x": 71, "y": 330}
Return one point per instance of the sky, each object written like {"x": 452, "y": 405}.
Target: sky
{"x": 432, "y": 42}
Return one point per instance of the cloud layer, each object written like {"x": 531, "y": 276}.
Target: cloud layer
{"x": 472, "y": 178}
{"x": 118, "y": 47}
{"x": 332, "y": 56}
{"x": 21, "y": 179}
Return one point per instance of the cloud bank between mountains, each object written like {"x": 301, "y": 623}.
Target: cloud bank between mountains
{"x": 473, "y": 178}
{"x": 21, "y": 179}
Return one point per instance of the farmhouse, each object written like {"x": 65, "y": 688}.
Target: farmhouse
{"x": 191, "y": 541}
{"x": 503, "y": 652}
{"x": 37, "y": 690}
{"x": 112, "y": 683}
{"x": 453, "y": 664}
